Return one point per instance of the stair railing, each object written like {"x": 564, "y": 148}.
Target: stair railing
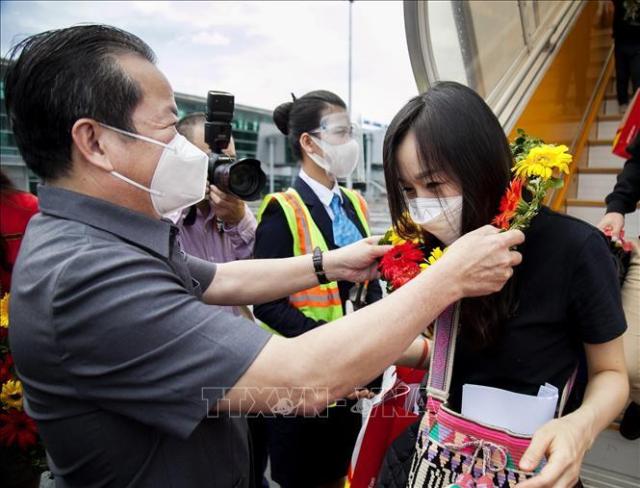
{"x": 557, "y": 199}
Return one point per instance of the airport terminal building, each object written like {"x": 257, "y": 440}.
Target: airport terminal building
{"x": 255, "y": 135}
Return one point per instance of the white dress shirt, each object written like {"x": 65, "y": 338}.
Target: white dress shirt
{"x": 324, "y": 194}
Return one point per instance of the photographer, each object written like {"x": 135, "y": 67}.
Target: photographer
{"x": 220, "y": 228}
{"x": 129, "y": 373}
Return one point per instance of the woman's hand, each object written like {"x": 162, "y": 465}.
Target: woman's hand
{"x": 357, "y": 262}
{"x": 564, "y": 441}
{"x": 612, "y": 222}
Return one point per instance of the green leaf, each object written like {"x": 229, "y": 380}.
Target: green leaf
{"x": 386, "y": 239}
{"x": 555, "y": 183}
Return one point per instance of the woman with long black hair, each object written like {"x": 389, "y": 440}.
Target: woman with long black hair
{"x": 315, "y": 213}
{"x": 447, "y": 163}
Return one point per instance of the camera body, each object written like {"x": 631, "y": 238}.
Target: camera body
{"x": 243, "y": 178}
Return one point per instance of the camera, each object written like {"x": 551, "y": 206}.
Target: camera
{"x": 243, "y": 178}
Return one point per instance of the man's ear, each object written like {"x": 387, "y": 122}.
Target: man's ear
{"x": 88, "y": 136}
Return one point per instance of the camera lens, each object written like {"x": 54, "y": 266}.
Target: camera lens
{"x": 244, "y": 179}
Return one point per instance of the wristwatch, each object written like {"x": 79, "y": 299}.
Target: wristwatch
{"x": 318, "y": 268}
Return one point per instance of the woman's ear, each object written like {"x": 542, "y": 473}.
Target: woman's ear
{"x": 307, "y": 144}
{"x": 88, "y": 138}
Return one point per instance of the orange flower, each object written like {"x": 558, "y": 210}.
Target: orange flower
{"x": 509, "y": 204}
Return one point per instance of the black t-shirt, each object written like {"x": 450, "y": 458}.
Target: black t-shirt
{"x": 626, "y": 21}
{"x": 568, "y": 294}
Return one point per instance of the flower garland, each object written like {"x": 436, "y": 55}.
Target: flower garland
{"x": 538, "y": 168}
{"x": 18, "y": 431}
{"x": 405, "y": 260}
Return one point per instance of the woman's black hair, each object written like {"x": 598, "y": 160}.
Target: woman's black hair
{"x": 458, "y": 135}
{"x": 303, "y": 115}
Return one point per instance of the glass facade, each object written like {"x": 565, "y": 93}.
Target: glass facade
{"x": 255, "y": 135}
{"x": 10, "y": 160}
{"x": 7, "y": 141}
{"x": 246, "y": 128}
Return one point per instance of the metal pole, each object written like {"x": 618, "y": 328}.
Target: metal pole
{"x": 349, "y": 179}
{"x": 368, "y": 140}
{"x": 272, "y": 159}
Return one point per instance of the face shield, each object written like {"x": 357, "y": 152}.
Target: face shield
{"x": 339, "y": 140}
{"x": 337, "y": 129}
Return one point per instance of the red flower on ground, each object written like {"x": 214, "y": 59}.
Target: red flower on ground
{"x": 509, "y": 204}
{"x": 5, "y": 368}
{"x": 17, "y": 427}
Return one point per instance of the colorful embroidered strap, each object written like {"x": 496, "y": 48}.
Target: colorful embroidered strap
{"x": 444, "y": 340}
{"x": 441, "y": 366}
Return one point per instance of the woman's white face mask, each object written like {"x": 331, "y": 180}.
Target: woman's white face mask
{"x": 441, "y": 217}
{"x": 337, "y": 137}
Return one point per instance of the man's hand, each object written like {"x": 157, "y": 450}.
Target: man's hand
{"x": 481, "y": 262}
{"x": 356, "y": 262}
{"x": 612, "y": 222}
{"x": 228, "y": 208}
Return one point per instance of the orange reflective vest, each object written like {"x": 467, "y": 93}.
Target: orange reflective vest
{"x": 321, "y": 302}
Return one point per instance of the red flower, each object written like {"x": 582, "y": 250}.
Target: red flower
{"x": 509, "y": 204}
{"x": 399, "y": 257}
{"x": 401, "y": 264}
{"x": 5, "y": 368}
{"x": 17, "y": 427}
{"x": 403, "y": 275}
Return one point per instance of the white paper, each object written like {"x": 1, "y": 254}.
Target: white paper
{"x": 521, "y": 414}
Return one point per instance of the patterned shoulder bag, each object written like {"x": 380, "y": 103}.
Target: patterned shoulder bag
{"x": 453, "y": 451}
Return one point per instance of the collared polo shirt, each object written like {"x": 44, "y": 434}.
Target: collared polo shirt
{"x": 119, "y": 357}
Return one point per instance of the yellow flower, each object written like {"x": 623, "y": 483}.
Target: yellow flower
{"x": 11, "y": 394}
{"x": 396, "y": 240}
{"x": 542, "y": 160}
{"x": 435, "y": 255}
{"x": 4, "y": 311}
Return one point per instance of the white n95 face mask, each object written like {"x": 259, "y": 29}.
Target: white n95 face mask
{"x": 340, "y": 160}
{"x": 180, "y": 178}
{"x": 441, "y": 217}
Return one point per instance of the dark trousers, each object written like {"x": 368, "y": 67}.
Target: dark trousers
{"x": 627, "y": 54}
{"x": 259, "y": 453}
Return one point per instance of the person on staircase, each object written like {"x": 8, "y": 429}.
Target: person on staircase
{"x": 315, "y": 213}
{"x": 623, "y": 200}
{"x": 626, "y": 36}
